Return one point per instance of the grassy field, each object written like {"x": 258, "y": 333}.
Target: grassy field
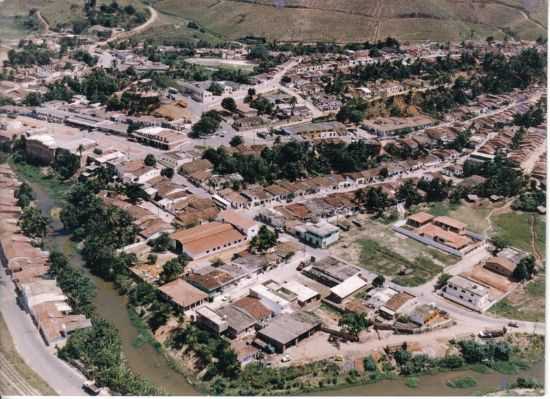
{"x": 171, "y": 28}
{"x": 525, "y": 303}
{"x": 54, "y": 11}
{"x": 376, "y": 247}
{"x": 515, "y": 227}
{"x": 7, "y": 349}
{"x": 358, "y": 20}
{"x": 473, "y": 216}
{"x": 380, "y": 259}
{"x": 55, "y": 187}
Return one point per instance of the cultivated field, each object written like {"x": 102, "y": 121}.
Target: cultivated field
{"x": 350, "y": 20}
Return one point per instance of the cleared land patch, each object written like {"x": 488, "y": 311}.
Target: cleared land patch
{"x": 525, "y": 302}
{"x": 379, "y": 249}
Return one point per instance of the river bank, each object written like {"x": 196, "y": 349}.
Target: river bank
{"x": 149, "y": 360}
{"x": 436, "y": 384}
{"x": 144, "y": 360}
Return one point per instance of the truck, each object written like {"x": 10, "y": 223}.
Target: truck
{"x": 492, "y": 333}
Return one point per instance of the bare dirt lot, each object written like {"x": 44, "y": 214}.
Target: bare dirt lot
{"x": 376, "y": 247}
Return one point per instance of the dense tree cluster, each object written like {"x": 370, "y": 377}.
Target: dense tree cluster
{"x": 66, "y": 164}
{"x": 103, "y": 229}
{"x": 110, "y": 15}
{"x": 208, "y": 124}
{"x": 99, "y": 348}
{"x": 264, "y": 240}
{"x": 173, "y": 268}
{"x": 534, "y": 116}
{"x": 489, "y": 352}
{"x": 212, "y": 351}
{"x": 85, "y": 57}
{"x": 29, "y": 53}
{"x": 354, "y": 323}
{"x": 79, "y": 288}
{"x": 373, "y": 199}
{"x": 529, "y": 201}
{"x": 502, "y": 178}
{"x": 33, "y": 224}
{"x": 526, "y": 269}
{"x": 294, "y": 160}
{"x": 24, "y": 195}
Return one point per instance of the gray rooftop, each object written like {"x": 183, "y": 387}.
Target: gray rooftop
{"x": 287, "y": 327}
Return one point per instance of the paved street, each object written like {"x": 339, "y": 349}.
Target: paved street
{"x": 59, "y": 375}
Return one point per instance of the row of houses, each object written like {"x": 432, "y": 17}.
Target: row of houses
{"x": 27, "y": 266}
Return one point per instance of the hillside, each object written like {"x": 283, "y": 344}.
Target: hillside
{"x": 54, "y": 12}
{"x": 350, "y": 20}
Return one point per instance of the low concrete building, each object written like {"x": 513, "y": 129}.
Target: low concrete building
{"x": 41, "y": 148}
{"x": 331, "y": 271}
{"x": 500, "y": 265}
{"x": 320, "y": 235}
{"x": 347, "y": 288}
{"x": 398, "y": 303}
{"x": 289, "y": 329}
{"x": 423, "y": 314}
{"x": 245, "y": 225}
{"x": 159, "y": 137}
{"x": 183, "y": 294}
{"x": 207, "y": 239}
{"x": 468, "y": 293}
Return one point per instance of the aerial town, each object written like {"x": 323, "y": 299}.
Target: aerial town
{"x": 265, "y": 218}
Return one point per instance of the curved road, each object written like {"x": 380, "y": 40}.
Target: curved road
{"x": 138, "y": 29}
{"x": 29, "y": 344}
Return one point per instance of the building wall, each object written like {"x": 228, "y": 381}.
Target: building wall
{"x": 467, "y": 299}
{"x": 321, "y": 242}
{"x": 40, "y": 152}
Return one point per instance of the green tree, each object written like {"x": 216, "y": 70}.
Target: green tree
{"x": 408, "y": 193}
{"x": 135, "y": 192}
{"x": 236, "y": 141}
{"x": 354, "y": 323}
{"x": 207, "y": 125}
{"x": 525, "y": 269}
{"x": 150, "y": 160}
{"x": 229, "y": 104}
{"x": 24, "y": 195}
{"x": 33, "y": 223}
{"x": 442, "y": 280}
{"x": 500, "y": 243}
{"x": 171, "y": 270}
{"x": 378, "y": 281}
{"x": 264, "y": 240}
{"x": 167, "y": 172}
{"x": 161, "y": 243}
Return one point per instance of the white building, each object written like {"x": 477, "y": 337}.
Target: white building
{"x": 468, "y": 293}
{"x": 320, "y": 235}
{"x": 347, "y": 288}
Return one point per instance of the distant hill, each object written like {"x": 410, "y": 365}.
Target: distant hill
{"x": 358, "y": 20}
